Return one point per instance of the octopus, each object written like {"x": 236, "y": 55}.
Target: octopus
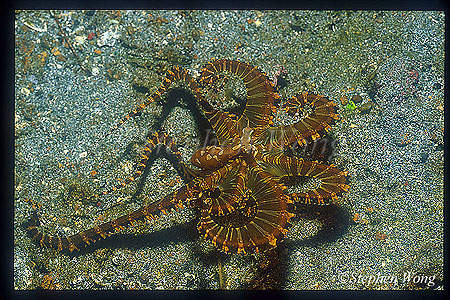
{"x": 240, "y": 184}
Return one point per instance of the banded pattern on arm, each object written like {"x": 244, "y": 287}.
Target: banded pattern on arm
{"x": 261, "y": 95}
{"x": 187, "y": 196}
{"x": 312, "y": 125}
{"x": 258, "y": 225}
{"x": 82, "y": 239}
{"x": 224, "y": 126}
{"x": 174, "y": 74}
{"x": 332, "y": 180}
{"x": 229, "y": 192}
{"x": 152, "y": 144}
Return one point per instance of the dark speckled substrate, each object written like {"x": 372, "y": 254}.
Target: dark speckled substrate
{"x": 389, "y": 226}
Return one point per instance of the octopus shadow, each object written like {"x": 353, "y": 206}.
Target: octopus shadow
{"x": 272, "y": 268}
{"x": 335, "y": 221}
{"x": 175, "y": 234}
{"x": 181, "y": 98}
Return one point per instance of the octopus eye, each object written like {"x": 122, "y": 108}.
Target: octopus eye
{"x": 215, "y": 193}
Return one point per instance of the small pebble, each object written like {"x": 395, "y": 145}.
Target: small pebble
{"x": 80, "y": 39}
{"x": 95, "y": 71}
{"x": 366, "y": 107}
{"x": 380, "y": 236}
{"x": 25, "y": 91}
{"x": 356, "y": 98}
